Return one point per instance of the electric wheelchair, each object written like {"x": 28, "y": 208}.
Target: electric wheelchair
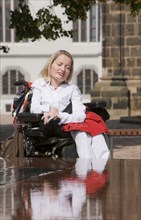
{"x": 49, "y": 140}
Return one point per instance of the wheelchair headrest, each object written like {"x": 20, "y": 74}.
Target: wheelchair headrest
{"x": 23, "y": 83}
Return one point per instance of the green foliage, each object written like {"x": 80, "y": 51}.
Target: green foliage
{"x": 23, "y": 22}
{"x": 75, "y": 9}
{"x": 47, "y": 25}
{"x": 134, "y": 5}
{"x": 50, "y": 25}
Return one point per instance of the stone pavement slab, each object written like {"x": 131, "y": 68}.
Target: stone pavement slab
{"x": 127, "y": 152}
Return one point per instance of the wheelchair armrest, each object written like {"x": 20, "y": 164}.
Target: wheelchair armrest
{"x": 96, "y": 104}
{"x": 98, "y": 107}
{"x": 26, "y": 117}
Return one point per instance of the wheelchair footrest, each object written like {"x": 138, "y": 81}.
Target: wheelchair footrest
{"x": 69, "y": 151}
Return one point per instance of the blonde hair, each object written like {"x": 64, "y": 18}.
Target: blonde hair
{"x": 45, "y": 72}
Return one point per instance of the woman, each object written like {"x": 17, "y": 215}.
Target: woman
{"x": 53, "y": 92}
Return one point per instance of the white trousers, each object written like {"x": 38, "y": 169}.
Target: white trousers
{"x": 90, "y": 147}
{"x": 84, "y": 166}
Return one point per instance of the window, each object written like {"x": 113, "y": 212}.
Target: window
{"x": 7, "y": 34}
{"x": 86, "y": 80}
{"x": 89, "y": 30}
{"x": 8, "y": 80}
{"x": 8, "y": 108}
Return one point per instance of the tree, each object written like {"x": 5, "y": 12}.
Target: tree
{"x": 46, "y": 24}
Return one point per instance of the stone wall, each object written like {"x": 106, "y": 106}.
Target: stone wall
{"x": 120, "y": 85}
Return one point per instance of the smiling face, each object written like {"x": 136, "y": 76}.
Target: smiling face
{"x": 60, "y": 69}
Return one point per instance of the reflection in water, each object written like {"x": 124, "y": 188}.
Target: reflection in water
{"x": 41, "y": 188}
{"x": 62, "y": 195}
{"x": 6, "y": 171}
{"x": 57, "y": 190}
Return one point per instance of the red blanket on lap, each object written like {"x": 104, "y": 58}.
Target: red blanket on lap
{"x": 93, "y": 124}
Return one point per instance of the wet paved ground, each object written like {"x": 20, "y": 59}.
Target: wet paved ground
{"x": 77, "y": 189}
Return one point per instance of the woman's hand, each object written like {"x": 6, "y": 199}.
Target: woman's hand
{"x": 50, "y": 115}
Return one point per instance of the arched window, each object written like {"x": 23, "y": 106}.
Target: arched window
{"x": 86, "y": 80}
{"x": 8, "y": 79}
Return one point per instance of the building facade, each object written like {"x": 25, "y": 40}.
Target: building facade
{"x": 120, "y": 85}
{"x": 26, "y": 59}
{"x": 107, "y": 57}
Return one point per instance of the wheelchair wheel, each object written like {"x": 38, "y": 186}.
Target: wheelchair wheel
{"x": 65, "y": 148}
